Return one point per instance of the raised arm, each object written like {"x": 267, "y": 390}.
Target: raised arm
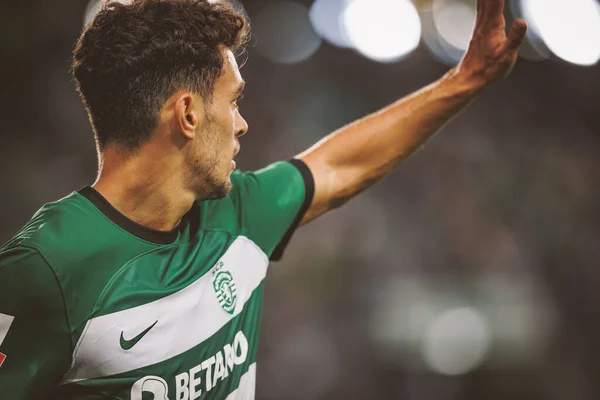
{"x": 356, "y": 156}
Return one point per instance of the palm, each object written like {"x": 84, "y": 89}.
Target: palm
{"x": 492, "y": 54}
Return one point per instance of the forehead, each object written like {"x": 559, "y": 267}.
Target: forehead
{"x": 230, "y": 78}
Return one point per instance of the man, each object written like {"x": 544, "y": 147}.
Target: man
{"x": 148, "y": 284}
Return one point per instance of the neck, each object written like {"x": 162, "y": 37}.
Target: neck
{"x": 146, "y": 187}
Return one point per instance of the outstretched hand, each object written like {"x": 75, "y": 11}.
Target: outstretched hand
{"x": 492, "y": 54}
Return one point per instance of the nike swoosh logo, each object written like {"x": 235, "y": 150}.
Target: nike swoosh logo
{"x": 128, "y": 344}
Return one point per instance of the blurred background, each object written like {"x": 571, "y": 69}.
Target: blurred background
{"x": 471, "y": 272}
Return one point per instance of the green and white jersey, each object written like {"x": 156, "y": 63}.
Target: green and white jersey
{"x": 95, "y": 306}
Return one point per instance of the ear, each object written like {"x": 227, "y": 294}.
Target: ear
{"x": 189, "y": 113}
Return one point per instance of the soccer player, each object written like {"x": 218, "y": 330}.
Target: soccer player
{"x": 148, "y": 284}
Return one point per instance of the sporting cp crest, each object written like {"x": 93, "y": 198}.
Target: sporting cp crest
{"x": 225, "y": 289}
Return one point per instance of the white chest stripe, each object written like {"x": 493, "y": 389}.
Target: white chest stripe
{"x": 5, "y": 323}
{"x": 185, "y": 319}
{"x": 247, "y": 386}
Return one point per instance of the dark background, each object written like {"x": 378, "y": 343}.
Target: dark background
{"x": 497, "y": 219}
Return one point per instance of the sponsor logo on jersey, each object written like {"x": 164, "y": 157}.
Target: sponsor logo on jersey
{"x": 5, "y": 323}
{"x": 128, "y": 344}
{"x": 150, "y": 384}
{"x": 202, "y": 378}
{"x": 224, "y": 288}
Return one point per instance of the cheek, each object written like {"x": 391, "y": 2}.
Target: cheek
{"x": 222, "y": 136}
{"x": 223, "y": 147}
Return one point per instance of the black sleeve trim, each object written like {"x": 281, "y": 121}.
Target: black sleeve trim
{"x": 309, "y": 192}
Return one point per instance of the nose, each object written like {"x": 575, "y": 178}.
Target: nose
{"x": 241, "y": 126}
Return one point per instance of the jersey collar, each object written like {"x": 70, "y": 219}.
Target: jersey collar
{"x": 143, "y": 232}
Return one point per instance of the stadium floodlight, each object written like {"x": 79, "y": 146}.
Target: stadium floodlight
{"x": 383, "y": 30}
{"x": 570, "y": 29}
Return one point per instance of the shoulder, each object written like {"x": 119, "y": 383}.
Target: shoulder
{"x": 24, "y": 259}
{"x": 263, "y": 205}
{"x": 53, "y": 226}
{"x": 251, "y": 191}
{"x": 26, "y": 279}
{"x": 67, "y": 234}
{"x": 21, "y": 259}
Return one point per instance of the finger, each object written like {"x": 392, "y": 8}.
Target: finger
{"x": 517, "y": 35}
{"x": 489, "y": 10}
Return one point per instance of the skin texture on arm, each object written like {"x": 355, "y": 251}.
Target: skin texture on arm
{"x": 356, "y": 156}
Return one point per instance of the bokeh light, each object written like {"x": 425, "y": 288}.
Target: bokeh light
{"x": 498, "y": 212}
{"x": 439, "y": 49}
{"x": 91, "y": 10}
{"x": 325, "y": 16}
{"x": 457, "y": 341}
{"x": 454, "y": 21}
{"x": 571, "y": 30}
{"x": 284, "y": 33}
{"x": 383, "y": 30}
{"x": 94, "y": 7}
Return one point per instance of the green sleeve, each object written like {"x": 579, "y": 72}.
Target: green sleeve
{"x": 35, "y": 344}
{"x": 273, "y": 201}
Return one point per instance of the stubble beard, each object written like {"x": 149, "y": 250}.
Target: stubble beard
{"x": 216, "y": 190}
{"x": 210, "y": 185}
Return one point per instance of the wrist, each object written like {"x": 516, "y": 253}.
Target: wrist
{"x": 465, "y": 80}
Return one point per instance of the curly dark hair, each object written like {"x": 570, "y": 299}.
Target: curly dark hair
{"x": 132, "y": 57}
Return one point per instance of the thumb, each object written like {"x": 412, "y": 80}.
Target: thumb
{"x": 517, "y": 35}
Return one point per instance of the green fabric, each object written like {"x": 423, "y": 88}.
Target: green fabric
{"x": 38, "y": 344}
{"x": 71, "y": 264}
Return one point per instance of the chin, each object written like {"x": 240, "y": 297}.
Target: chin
{"x": 224, "y": 188}
{"x": 215, "y": 190}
